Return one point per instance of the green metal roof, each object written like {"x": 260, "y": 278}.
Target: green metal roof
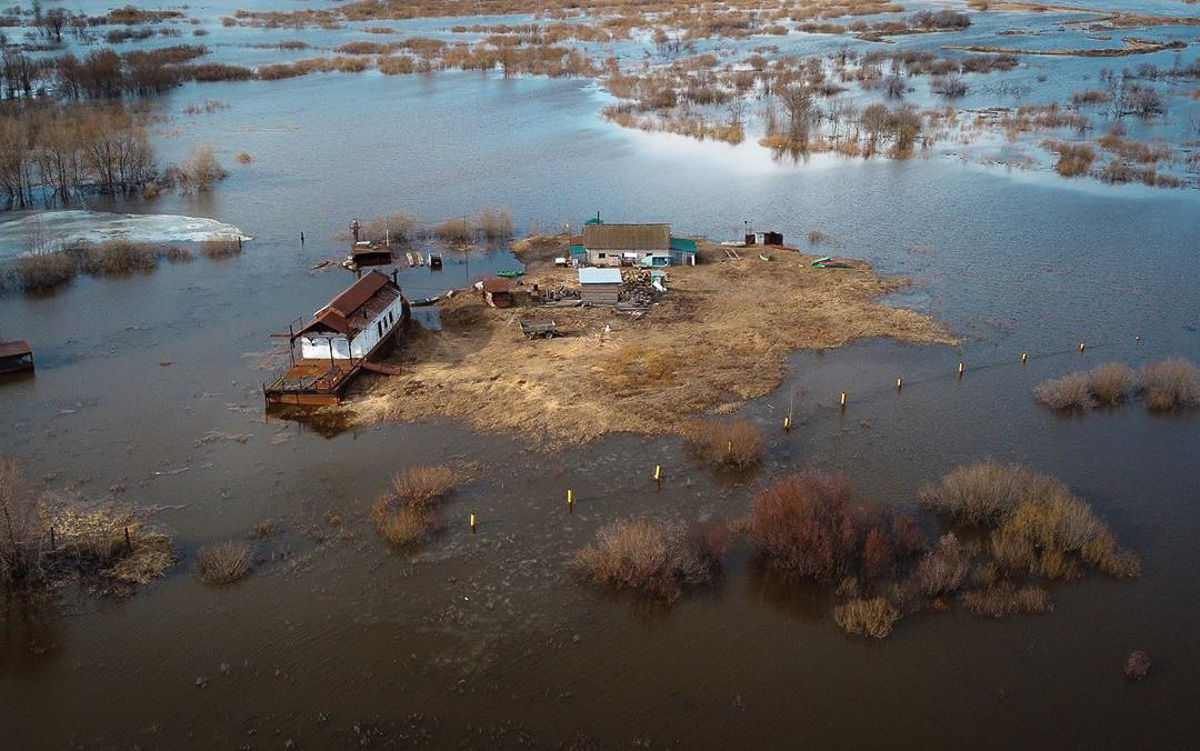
{"x": 577, "y": 250}
{"x": 685, "y": 244}
{"x": 596, "y": 220}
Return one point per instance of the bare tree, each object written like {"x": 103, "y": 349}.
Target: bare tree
{"x": 21, "y": 537}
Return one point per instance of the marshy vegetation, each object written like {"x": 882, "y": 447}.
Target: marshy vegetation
{"x": 49, "y": 537}
{"x": 407, "y": 514}
{"x": 735, "y": 445}
{"x": 224, "y": 562}
{"x": 1012, "y": 530}
{"x": 46, "y": 267}
{"x": 489, "y": 224}
{"x": 657, "y": 559}
{"x": 1165, "y": 386}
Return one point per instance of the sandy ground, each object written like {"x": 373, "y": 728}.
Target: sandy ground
{"x": 720, "y": 336}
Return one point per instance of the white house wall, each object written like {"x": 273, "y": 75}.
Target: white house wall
{"x": 317, "y": 347}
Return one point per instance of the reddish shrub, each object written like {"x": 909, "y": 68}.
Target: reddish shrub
{"x": 803, "y": 525}
{"x": 1137, "y": 665}
{"x": 876, "y": 554}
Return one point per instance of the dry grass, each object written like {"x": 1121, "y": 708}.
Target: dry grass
{"x": 722, "y": 333}
{"x": 406, "y": 516}
{"x": 224, "y": 562}
{"x": 406, "y": 525}
{"x": 38, "y": 272}
{"x": 943, "y": 569}
{"x": 421, "y": 486}
{"x": 1170, "y": 384}
{"x": 1036, "y": 526}
{"x": 1107, "y": 384}
{"x": 1005, "y": 599}
{"x": 454, "y": 231}
{"x": 221, "y": 248}
{"x": 979, "y": 494}
{"x": 872, "y": 617}
{"x": 727, "y": 444}
{"x": 657, "y": 559}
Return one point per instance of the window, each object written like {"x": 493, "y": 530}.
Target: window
{"x": 379, "y": 329}
{"x": 603, "y": 255}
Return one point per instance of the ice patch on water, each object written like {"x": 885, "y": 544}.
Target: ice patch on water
{"x": 60, "y": 227}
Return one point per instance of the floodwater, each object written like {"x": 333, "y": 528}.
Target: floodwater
{"x": 486, "y": 640}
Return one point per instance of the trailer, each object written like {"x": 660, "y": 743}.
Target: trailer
{"x": 539, "y": 329}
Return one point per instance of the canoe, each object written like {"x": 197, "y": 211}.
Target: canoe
{"x": 510, "y": 273}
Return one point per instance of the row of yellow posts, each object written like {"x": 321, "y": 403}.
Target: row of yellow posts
{"x": 787, "y": 426}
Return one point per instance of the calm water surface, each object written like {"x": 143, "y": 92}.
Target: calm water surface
{"x": 486, "y": 640}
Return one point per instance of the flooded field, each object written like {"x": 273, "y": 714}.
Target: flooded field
{"x": 149, "y": 388}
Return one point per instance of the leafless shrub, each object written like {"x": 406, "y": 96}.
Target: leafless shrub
{"x": 867, "y": 617}
{"x": 454, "y": 231}
{"x": 1106, "y": 384}
{"x": 1137, "y": 665}
{"x": 46, "y": 270}
{"x": 404, "y": 525}
{"x": 113, "y": 257}
{"x": 245, "y": 158}
{"x": 803, "y": 525}
{"x": 727, "y": 444}
{"x": 1004, "y": 599}
{"x": 657, "y": 559}
{"x": 224, "y": 562}
{"x": 1110, "y": 383}
{"x": 22, "y": 531}
{"x": 983, "y": 493}
{"x": 815, "y": 237}
{"x": 420, "y": 486}
{"x": 1068, "y": 392}
{"x": 1170, "y": 384}
{"x": 944, "y": 568}
{"x": 494, "y": 223}
{"x": 199, "y": 170}
{"x": 219, "y": 248}
{"x": 1074, "y": 159}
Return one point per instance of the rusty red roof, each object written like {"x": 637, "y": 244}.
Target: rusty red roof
{"x": 358, "y": 293}
{"x": 496, "y": 285}
{"x": 353, "y": 310}
{"x": 15, "y": 349}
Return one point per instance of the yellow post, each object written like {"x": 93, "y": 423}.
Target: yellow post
{"x": 899, "y": 383}
{"x": 658, "y": 473}
{"x": 729, "y": 448}
{"x": 961, "y": 367}
{"x": 570, "y": 501}
{"x": 843, "y": 403}
{"x": 1024, "y": 357}
{"x": 1081, "y": 346}
{"x": 472, "y": 524}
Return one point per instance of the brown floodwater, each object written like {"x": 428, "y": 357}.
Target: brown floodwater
{"x": 487, "y": 640}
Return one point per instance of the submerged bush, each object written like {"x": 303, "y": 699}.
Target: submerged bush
{"x": 224, "y": 562}
{"x": 1004, "y": 599}
{"x": 219, "y": 248}
{"x": 1170, "y": 384}
{"x": 871, "y": 617}
{"x": 419, "y": 486}
{"x": 943, "y": 569}
{"x": 804, "y": 526}
{"x": 47, "y": 270}
{"x": 1108, "y": 384}
{"x": 1137, "y": 665}
{"x": 494, "y": 223}
{"x": 736, "y": 444}
{"x": 1037, "y": 527}
{"x": 454, "y": 231}
{"x": 406, "y": 516}
{"x": 655, "y": 558}
{"x": 978, "y": 494}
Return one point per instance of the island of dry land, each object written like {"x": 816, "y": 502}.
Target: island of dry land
{"x": 721, "y": 335}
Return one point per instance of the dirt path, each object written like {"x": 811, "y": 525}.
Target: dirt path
{"x": 721, "y": 336}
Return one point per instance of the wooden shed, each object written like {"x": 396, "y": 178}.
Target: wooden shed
{"x": 15, "y": 357}
{"x": 497, "y": 293}
{"x": 599, "y": 286}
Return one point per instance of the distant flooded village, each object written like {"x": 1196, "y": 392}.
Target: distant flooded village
{"x": 379, "y": 375}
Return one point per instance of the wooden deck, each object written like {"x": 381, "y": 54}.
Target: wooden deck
{"x": 312, "y": 383}
{"x": 16, "y": 357}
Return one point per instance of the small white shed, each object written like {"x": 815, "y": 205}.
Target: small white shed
{"x": 599, "y": 286}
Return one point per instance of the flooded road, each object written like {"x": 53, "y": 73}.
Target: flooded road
{"x": 150, "y": 385}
